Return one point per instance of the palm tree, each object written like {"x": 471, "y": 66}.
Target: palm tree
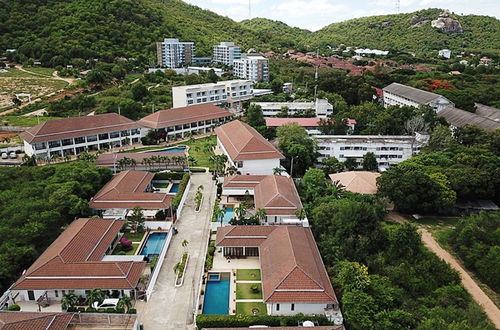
{"x": 277, "y": 171}
{"x": 261, "y": 214}
{"x": 125, "y": 302}
{"x": 133, "y": 163}
{"x": 68, "y": 300}
{"x": 301, "y": 214}
{"x": 185, "y": 243}
{"x": 219, "y": 214}
{"x": 240, "y": 211}
{"x": 95, "y": 295}
{"x": 231, "y": 170}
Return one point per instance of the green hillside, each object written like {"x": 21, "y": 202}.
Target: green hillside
{"x": 399, "y": 32}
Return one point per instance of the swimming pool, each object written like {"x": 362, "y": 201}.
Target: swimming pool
{"x": 174, "y": 189}
{"x": 217, "y": 294}
{"x": 173, "y": 149}
{"x": 229, "y": 214}
{"x": 154, "y": 244}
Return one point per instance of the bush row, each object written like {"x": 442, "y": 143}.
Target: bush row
{"x": 209, "y": 260}
{"x": 182, "y": 187}
{"x": 101, "y": 310}
{"x": 197, "y": 170}
{"x": 168, "y": 176}
{"x": 239, "y": 320}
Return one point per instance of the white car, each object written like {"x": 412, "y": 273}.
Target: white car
{"x": 106, "y": 303}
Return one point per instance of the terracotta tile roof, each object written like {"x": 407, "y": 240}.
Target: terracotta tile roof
{"x": 34, "y": 321}
{"x": 110, "y": 159}
{"x": 361, "y": 182}
{"x": 291, "y": 265}
{"x": 73, "y": 260}
{"x": 126, "y": 190}
{"x": 242, "y": 181}
{"x": 243, "y": 142}
{"x": 77, "y": 126}
{"x": 277, "y": 195}
{"x": 184, "y": 115}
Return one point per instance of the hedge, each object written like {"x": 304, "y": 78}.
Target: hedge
{"x": 168, "y": 176}
{"x": 228, "y": 321}
{"x": 197, "y": 170}
{"x": 14, "y": 308}
{"x": 182, "y": 186}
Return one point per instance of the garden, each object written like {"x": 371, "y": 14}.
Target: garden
{"x": 248, "y": 291}
{"x": 251, "y": 308}
{"x": 248, "y": 275}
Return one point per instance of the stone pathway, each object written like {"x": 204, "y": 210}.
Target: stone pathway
{"x": 171, "y": 307}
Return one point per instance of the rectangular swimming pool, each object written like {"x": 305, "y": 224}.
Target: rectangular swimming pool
{"x": 174, "y": 189}
{"x": 217, "y": 294}
{"x": 173, "y": 149}
{"x": 154, "y": 243}
{"x": 229, "y": 214}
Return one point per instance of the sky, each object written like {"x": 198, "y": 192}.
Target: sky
{"x": 315, "y": 14}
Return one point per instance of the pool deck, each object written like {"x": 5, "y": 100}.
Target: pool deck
{"x": 222, "y": 264}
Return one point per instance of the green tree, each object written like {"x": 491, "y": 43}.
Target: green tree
{"x": 351, "y": 164}
{"x": 125, "y": 303}
{"x": 139, "y": 91}
{"x": 136, "y": 219}
{"x": 370, "y": 162}
{"x": 68, "y": 300}
{"x": 297, "y": 146}
{"x": 313, "y": 185}
{"x": 94, "y": 295}
{"x": 332, "y": 165}
{"x": 255, "y": 116}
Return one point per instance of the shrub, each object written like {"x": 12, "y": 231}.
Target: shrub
{"x": 132, "y": 311}
{"x": 209, "y": 261}
{"x": 14, "y": 308}
{"x": 168, "y": 176}
{"x": 182, "y": 187}
{"x": 72, "y": 309}
{"x": 110, "y": 310}
{"x": 227, "y": 321}
{"x": 90, "y": 310}
{"x": 255, "y": 288}
{"x": 81, "y": 309}
{"x": 101, "y": 310}
{"x": 120, "y": 310}
{"x": 197, "y": 170}
{"x": 153, "y": 263}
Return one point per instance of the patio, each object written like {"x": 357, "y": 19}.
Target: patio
{"x": 221, "y": 263}
{"x": 32, "y": 306}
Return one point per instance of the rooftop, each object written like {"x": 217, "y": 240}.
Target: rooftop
{"x": 74, "y": 260}
{"x": 219, "y": 83}
{"x": 184, "y": 115}
{"x": 485, "y": 117}
{"x": 127, "y": 190}
{"x": 361, "y": 182}
{"x": 112, "y": 159}
{"x": 34, "y": 321}
{"x": 414, "y": 94}
{"x": 77, "y": 126}
{"x": 243, "y": 142}
{"x": 291, "y": 265}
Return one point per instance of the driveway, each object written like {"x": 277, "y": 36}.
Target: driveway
{"x": 171, "y": 307}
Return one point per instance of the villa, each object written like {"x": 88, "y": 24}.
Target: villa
{"x": 246, "y": 149}
{"x": 178, "y": 122}
{"x": 72, "y": 136}
{"x": 129, "y": 189}
{"x": 76, "y": 262}
{"x": 294, "y": 278}
{"x": 275, "y": 194}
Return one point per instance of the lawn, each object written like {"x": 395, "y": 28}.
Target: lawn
{"x": 161, "y": 185}
{"x": 134, "y": 237}
{"x": 118, "y": 249}
{"x": 247, "y": 308}
{"x": 39, "y": 70}
{"x": 24, "y": 121}
{"x": 248, "y": 275}
{"x": 244, "y": 291}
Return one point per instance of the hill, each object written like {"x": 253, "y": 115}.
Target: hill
{"x": 413, "y": 32}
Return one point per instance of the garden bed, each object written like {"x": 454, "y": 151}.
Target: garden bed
{"x": 181, "y": 270}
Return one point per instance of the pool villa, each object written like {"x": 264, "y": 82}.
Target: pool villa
{"x": 142, "y": 161}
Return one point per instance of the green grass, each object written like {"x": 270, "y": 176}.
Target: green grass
{"x": 246, "y": 308}
{"x": 39, "y": 70}
{"x": 24, "y": 121}
{"x": 244, "y": 291}
{"x": 131, "y": 252}
{"x": 13, "y": 72}
{"x": 248, "y": 275}
{"x": 134, "y": 237}
{"x": 161, "y": 185}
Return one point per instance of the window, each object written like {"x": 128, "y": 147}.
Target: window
{"x": 56, "y": 293}
{"x": 40, "y": 146}
{"x": 79, "y": 140}
{"x": 114, "y": 134}
{"x": 91, "y": 138}
{"x": 292, "y": 308}
{"x": 53, "y": 144}
{"x": 103, "y": 136}
{"x": 277, "y": 307}
{"x": 125, "y": 133}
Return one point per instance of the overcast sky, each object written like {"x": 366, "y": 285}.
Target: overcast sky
{"x": 315, "y": 14}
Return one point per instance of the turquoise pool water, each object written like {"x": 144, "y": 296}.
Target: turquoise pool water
{"x": 154, "y": 244}
{"x": 229, "y": 214}
{"x": 217, "y": 295}
{"x": 175, "y": 188}
{"x": 174, "y": 149}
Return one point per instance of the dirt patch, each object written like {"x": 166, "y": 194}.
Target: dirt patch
{"x": 65, "y": 93}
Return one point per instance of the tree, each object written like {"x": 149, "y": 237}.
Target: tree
{"x": 351, "y": 164}
{"x": 136, "y": 219}
{"x": 297, "y": 146}
{"x": 358, "y": 309}
{"x": 125, "y": 303}
{"x": 94, "y": 295}
{"x": 370, "y": 162}
{"x": 255, "y": 116}
{"x": 260, "y": 214}
{"x": 139, "y": 91}
{"x": 351, "y": 276}
{"x": 68, "y": 300}
{"x": 313, "y": 185}
{"x": 219, "y": 213}
{"x": 300, "y": 214}
{"x": 440, "y": 139}
{"x": 184, "y": 244}
{"x": 97, "y": 77}
{"x": 332, "y": 165}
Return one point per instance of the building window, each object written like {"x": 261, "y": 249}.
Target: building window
{"x": 56, "y": 293}
{"x": 91, "y": 138}
{"x": 67, "y": 142}
{"x": 79, "y": 140}
{"x": 114, "y": 134}
{"x": 103, "y": 136}
{"x": 53, "y": 144}
{"x": 292, "y": 308}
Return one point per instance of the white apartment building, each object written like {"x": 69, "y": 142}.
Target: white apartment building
{"x": 228, "y": 91}
{"x": 171, "y": 53}
{"x": 72, "y": 136}
{"x": 226, "y": 53}
{"x": 321, "y": 106}
{"x": 389, "y": 150}
{"x": 402, "y": 95}
{"x": 254, "y": 67}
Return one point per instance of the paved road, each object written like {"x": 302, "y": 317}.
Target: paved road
{"x": 475, "y": 291}
{"x": 170, "y": 307}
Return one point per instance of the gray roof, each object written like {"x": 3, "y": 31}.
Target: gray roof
{"x": 488, "y": 112}
{"x": 414, "y": 94}
{"x": 459, "y": 118}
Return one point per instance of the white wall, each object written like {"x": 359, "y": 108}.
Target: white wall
{"x": 259, "y": 166}
{"x": 286, "y": 309}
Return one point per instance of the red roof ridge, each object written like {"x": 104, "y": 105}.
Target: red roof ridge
{"x": 111, "y": 223}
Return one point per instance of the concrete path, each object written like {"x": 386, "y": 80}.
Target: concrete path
{"x": 475, "y": 291}
{"x": 171, "y": 307}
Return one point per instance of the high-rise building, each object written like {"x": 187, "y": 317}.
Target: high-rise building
{"x": 226, "y": 53}
{"x": 254, "y": 67}
{"x": 172, "y": 53}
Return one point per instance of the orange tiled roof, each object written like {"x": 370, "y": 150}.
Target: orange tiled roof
{"x": 34, "y": 321}
{"x": 361, "y": 182}
{"x": 243, "y": 142}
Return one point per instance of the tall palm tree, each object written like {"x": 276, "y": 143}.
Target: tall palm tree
{"x": 95, "y": 295}
{"x": 261, "y": 214}
{"x": 132, "y": 163}
{"x": 125, "y": 302}
{"x": 240, "y": 211}
{"x": 219, "y": 214}
{"x": 185, "y": 243}
{"x": 68, "y": 300}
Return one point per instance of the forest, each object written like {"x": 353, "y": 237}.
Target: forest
{"x": 36, "y": 204}
{"x": 383, "y": 276}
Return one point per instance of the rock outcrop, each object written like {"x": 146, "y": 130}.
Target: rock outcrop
{"x": 386, "y": 23}
{"x": 447, "y": 24}
{"x": 418, "y": 21}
